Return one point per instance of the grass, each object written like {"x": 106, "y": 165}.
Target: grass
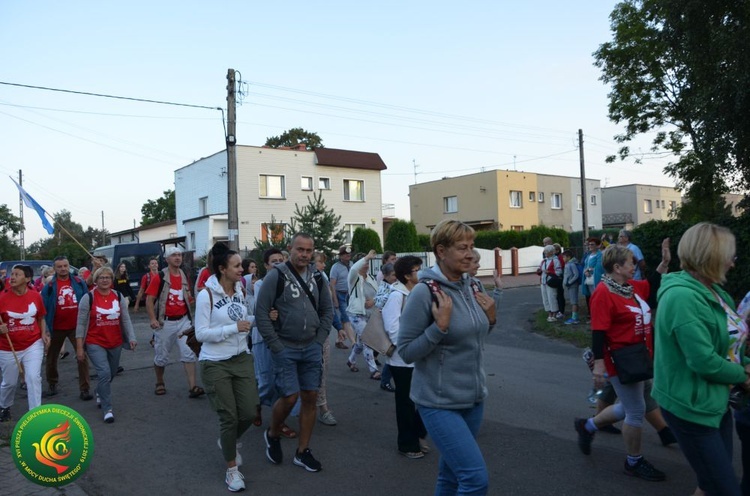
{"x": 576, "y": 334}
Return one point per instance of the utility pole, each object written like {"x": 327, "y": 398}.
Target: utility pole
{"x": 415, "y": 170}
{"x": 20, "y": 211}
{"x": 231, "y": 139}
{"x": 104, "y": 239}
{"x": 584, "y": 203}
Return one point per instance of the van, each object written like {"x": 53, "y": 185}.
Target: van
{"x": 135, "y": 256}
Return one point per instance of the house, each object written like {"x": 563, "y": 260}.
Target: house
{"x": 270, "y": 182}
{"x": 632, "y": 204}
{"x": 162, "y": 232}
{"x": 505, "y": 200}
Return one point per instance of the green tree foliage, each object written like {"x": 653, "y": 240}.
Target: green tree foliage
{"x": 62, "y": 243}
{"x": 295, "y": 136}
{"x": 280, "y": 237}
{"x": 402, "y": 237}
{"x": 364, "y": 240}
{"x": 424, "y": 242}
{"x": 10, "y": 225}
{"x": 320, "y": 222}
{"x": 159, "y": 210}
{"x": 682, "y": 70}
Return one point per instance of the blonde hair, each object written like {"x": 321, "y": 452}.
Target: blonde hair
{"x": 477, "y": 255}
{"x": 319, "y": 256}
{"x": 707, "y": 250}
{"x": 615, "y": 255}
{"x": 101, "y": 271}
{"x": 448, "y": 232}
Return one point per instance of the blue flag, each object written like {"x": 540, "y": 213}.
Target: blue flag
{"x": 31, "y": 203}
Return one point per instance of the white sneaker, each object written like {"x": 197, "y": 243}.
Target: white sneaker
{"x": 109, "y": 417}
{"x": 235, "y": 480}
{"x": 327, "y": 418}
{"x": 559, "y": 315}
{"x": 237, "y": 457}
{"x": 551, "y": 319}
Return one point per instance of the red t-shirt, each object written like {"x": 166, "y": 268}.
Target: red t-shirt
{"x": 625, "y": 321}
{"x": 104, "y": 320}
{"x": 146, "y": 280}
{"x": 66, "y": 307}
{"x": 22, "y": 314}
{"x": 202, "y": 278}
{"x": 175, "y": 306}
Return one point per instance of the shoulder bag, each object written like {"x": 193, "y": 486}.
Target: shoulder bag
{"x": 374, "y": 335}
{"x": 633, "y": 363}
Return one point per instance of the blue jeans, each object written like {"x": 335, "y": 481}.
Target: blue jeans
{"x": 264, "y": 374}
{"x": 105, "y": 361}
{"x": 709, "y": 452}
{"x": 462, "y": 470}
{"x": 341, "y": 296}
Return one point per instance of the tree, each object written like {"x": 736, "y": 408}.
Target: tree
{"x": 320, "y": 222}
{"x": 295, "y": 136}
{"x": 9, "y": 225}
{"x": 682, "y": 69}
{"x": 61, "y": 243}
{"x": 159, "y": 210}
{"x": 364, "y": 240}
{"x": 402, "y": 237}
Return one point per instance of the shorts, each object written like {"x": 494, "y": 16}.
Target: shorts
{"x": 609, "y": 396}
{"x": 341, "y": 296}
{"x": 298, "y": 369}
{"x": 165, "y": 339}
{"x": 571, "y": 294}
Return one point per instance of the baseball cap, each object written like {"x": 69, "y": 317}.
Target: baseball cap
{"x": 345, "y": 249}
{"x": 171, "y": 251}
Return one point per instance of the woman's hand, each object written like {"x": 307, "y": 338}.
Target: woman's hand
{"x": 369, "y": 303}
{"x": 133, "y": 344}
{"x": 3, "y": 328}
{"x": 243, "y": 326}
{"x": 80, "y": 356}
{"x": 273, "y": 315}
{"x": 46, "y": 338}
{"x": 441, "y": 311}
{"x": 488, "y": 305}
{"x": 666, "y": 257}
{"x": 371, "y": 254}
{"x": 497, "y": 279}
{"x": 598, "y": 374}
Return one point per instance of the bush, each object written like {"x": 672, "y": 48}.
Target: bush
{"x": 535, "y": 236}
{"x": 424, "y": 242}
{"x": 506, "y": 240}
{"x": 402, "y": 237}
{"x": 364, "y": 240}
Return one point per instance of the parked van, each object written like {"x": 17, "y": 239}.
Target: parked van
{"x": 135, "y": 256}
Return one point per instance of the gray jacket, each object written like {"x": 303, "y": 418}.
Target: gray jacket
{"x": 299, "y": 324}
{"x": 448, "y": 367}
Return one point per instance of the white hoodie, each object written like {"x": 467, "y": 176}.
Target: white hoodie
{"x": 216, "y": 327}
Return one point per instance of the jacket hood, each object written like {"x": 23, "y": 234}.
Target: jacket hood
{"x": 401, "y": 288}
{"x": 435, "y": 273}
{"x": 685, "y": 280}
{"x": 213, "y": 284}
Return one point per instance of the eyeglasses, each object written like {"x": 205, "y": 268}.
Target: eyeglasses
{"x": 104, "y": 278}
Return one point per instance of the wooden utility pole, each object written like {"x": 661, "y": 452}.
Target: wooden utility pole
{"x": 583, "y": 190}
{"x": 231, "y": 139}
{"x": 20, "y": 212}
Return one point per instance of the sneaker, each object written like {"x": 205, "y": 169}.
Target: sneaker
{"x": 85, "y": 395}
{"x": 327, "y": 418}
{"x": 237, "y": 456}
{"x": 412, "y": 455}
{"x": 584, "y": 437}
{"x": 551, "y": 319}
{"x": 572, "y": 321}
{"x": 644, "y": 470}
{"x": 306, "y": 460}
{"x": 109, "y": 417}
{"x": 559, "y": 315}
{"x": 667, "y": 437}
{"x": 5, "y": 414}
{"x": 387, "y": 387}
{"x": 52, "y": 390}
{"x": 273, "y": 448}
{"x": 235, "y": 480}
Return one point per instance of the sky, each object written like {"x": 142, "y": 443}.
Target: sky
{"x": 441, "y": 88}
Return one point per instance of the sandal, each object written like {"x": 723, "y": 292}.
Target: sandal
{"x": 196, "y": 391}
{"x": 340, "y": 345}
{"x": 352, "y": 366}
{"x": 160, "y": 389}
{"x": 287, "y": 432}
{"x": 64, "y": 355}
{"x": 375, "y": 376}
{"x": 258, "y": 420}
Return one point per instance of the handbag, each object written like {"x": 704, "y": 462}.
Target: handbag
{"x": 374, "y": 335}
{"x": 589, "y": 280}
{"x": 554, "y": 281}
{"x": 192, "y": 341}
{"x": 633, "y": 363}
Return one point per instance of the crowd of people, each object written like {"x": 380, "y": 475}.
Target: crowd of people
{"x": 260, "y": 343}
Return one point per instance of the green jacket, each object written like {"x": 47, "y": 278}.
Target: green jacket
{"x": 692, "y": 376}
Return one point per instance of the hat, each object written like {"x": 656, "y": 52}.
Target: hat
{"x": 345, "y": 250}
{"x": 101, "y": 257}
{"x": 171, "y": 251}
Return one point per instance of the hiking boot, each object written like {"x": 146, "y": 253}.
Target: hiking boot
{"x": 644, "y": 470}
{"x": 584, "y": 437}
{"x": 235, "y": 480}
{"x": 237, "y": 456}
{"x": 666, "y": 436}
{"x": 327, "y": 418}
{"x": 273, "y": 448}
{"x": 85, "y": 395}
{"x": 5, "y": 414}
{"x": 306, "y": 460}
{"x": 109, "y": 417}
{"x": 52, "y": 390}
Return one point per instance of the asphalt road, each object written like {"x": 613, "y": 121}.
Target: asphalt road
{"x": 167, "y": 444}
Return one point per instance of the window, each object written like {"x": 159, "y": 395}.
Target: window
{"x": 540, "y": 197}
{"x": 306, "y": 183}
{"x": 647, "y": 206}
{"x": 579, "y": 202}
{"x": 273, "y": 232}
{"x": 515, "y": 199}
{"x": 354, "y": 190}
{"x": 324, "y": 183}
{"x": 349, "y": 231}
{"x": 516, "y": 228}
{"x": 191, "y": 238}
{"x": 450, "y": 204}
{"x": 272, "y": 186}
{"x": 532, "y": 196}
{"x": 203, "y": 206}
{"x": 672, "y": 205}
{"x": 593, "y": 199}
{"x": 556, "y": 201}
{"x": 663, "y": 204}
{"x": 657, "y": 204}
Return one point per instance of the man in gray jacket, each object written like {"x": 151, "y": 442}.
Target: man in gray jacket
{"x": 296, "y": 343}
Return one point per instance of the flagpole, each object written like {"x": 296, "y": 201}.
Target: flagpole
{"x": 74, "y": 239}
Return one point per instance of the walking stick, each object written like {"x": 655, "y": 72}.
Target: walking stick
{"x": 13, "y": 350}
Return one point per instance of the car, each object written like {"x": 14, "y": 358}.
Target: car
{"x": 36, "y": 266}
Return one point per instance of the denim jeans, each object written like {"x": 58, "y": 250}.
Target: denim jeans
{"x": 743, "y": 432}
{"x": 105, "y": 361}
{"x": 462, "y": 470}
{"x": 264, "y": 374}
{"x": 709, "y": 452}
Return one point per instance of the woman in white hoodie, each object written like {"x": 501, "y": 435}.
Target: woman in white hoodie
{"x": 222, "y": 324}
{"x": 362, "y": 290}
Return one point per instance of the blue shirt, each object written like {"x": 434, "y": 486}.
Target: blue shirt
{"x": 638, "y": 257}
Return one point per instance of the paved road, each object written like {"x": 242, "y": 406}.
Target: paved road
{"x": 167, "y": 445}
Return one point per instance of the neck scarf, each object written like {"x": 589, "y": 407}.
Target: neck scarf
{"x": 624, "y": 290}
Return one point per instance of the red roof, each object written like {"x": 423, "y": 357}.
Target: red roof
{"x": 347, "y": 158}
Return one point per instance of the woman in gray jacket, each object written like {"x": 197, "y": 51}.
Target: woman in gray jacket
{"x": 442, "y": 332}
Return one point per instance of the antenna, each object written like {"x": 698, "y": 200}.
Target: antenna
{"x": 415, "y": 170}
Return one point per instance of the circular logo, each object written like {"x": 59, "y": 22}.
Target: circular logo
{"x": 52, "y": 445}
{"x": 235, "y": 311}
